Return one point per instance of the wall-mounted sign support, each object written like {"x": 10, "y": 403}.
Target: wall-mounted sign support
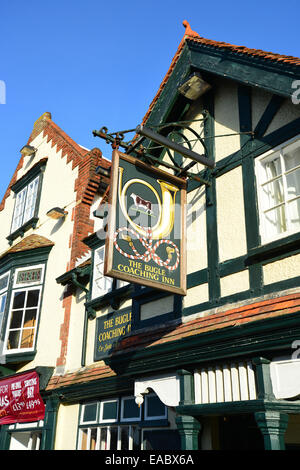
{"x": 146, "y": 239}
{"x": 164, "y": 141}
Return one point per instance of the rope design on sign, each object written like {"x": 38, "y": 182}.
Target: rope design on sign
{"x": 150, "y": 252}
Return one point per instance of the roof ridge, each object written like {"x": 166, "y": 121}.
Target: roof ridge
{"x": 193, "y": 36}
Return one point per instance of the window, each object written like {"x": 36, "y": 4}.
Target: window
{"x": 102, "y": 284}
{"x": 25, "y": 204}
{"x": 278, "y": 176}
{"x": 104, "y": 425}
{"x": 4, "y": 280}
{"x": 154, "y": 408}
{"x": 24, "y": 437}
{"x": 24, "y": 309}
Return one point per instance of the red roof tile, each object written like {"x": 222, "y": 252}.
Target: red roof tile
{"x": 29, "y": 243}
{"x": 235, "y": 317}
{"x": 192, "y": 36}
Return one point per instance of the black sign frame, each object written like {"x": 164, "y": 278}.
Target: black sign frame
{"x": 123, "y": 262}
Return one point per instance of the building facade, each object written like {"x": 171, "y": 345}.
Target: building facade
{"x": 127, "y": 367}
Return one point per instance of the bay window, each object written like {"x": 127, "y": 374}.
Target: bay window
{"x": 25, "y": 300}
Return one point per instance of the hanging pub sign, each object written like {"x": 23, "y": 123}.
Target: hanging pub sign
{"x": 146, "y": 242}
{"x": 20, "y": 399}
{"x": 110, "y": 329}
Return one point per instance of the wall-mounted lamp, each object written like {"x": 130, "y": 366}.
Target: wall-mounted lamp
{"x": 27, "y": 150}
{"x": 57, "y": 213}
{"x": 194, "y": 87}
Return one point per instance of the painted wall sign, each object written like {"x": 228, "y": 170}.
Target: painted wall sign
{"x": 146, "y": 242}
{"x": 110, "y": 329}
{"x": 20, "y": 400}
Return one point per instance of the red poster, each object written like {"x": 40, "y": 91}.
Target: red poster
{"x": 20, "y": 399}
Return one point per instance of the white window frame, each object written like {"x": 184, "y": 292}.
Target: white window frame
{"x": 30, "y": 283}
{"x": 4, "y": 292}
{"x": 36, "y": 285}
{"x": 99, "y": 291}
{"x": 269, "y": 156}
{"x": 22, "y": 208}
{"x": 82, "y": 413}
{"x": 112, "y": 420}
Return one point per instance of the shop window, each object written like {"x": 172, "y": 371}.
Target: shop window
{"x": 25, "y": 300}
{"x": 118, "y": 424}
{"x": 25, "y": 204}
{"x": 278, "y": 177}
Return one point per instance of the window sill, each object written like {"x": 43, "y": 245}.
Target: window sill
{"x": 274, "y": 249}
{"x": 32, "y": 223}
{"x": 19, "y": 357}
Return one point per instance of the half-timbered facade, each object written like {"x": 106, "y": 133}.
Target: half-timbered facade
{"x": 218, "y": 368}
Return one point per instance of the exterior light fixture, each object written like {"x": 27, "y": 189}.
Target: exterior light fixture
{"x": 57, "y": 213}
{"x": 27, "y": 150}
{"x": 194, "y": 87}
{"x": 165, "y": 142}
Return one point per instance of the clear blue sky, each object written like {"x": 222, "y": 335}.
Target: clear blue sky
{"x": 93, "y": 62}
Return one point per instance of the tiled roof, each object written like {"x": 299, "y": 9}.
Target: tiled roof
{"x": 236, "y": 317}
{"x": 29, "y": 243}
{"x": 194, "y": 37}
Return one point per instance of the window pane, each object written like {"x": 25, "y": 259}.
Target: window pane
{"x": 294, "y": 214}
{"x": 84, "y": 433}
{"x": 130, "y": 409}
{"x": 272, "y": 194}
{"x": 4, "y": 282}
{"x": 275, "y": 221}
{"x": 113, "y": 438}
{"x": 89, "y": 412}
{"x": 136, "y": 438}
{"x": 30, "y": 200}
{"x": 293, "y": 184}
{"x": 13, "y": 340}
{"x": 124, "y": 437}
{"x": 27, "y": 338}
{"x": 93, "y": 438}
{"x": 110, "y": 410}
{"x": 19, "y": 299}
{"x": 16, "y": 319}
{"x": 2, "y": 302}
{"x": 103, "y": 439}
{"x": 32, "y": 298}
{"x": 292, "y": 159}
{"x": 155, "y": 407}
{"x": 271, "y": 169}
{"x": 19, "y": 209}
{"x": 30, "y": 317}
